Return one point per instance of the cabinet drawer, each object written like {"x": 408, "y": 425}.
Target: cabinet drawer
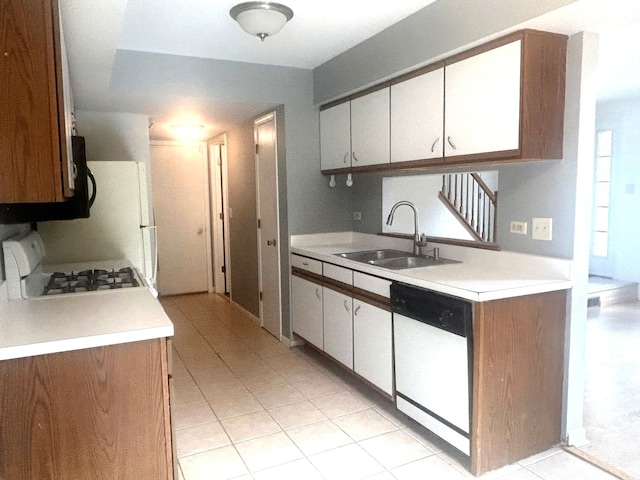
{"x": 376, "y": 285}
{"x": 308, "y": 264}
{"x": 340, "y": 274}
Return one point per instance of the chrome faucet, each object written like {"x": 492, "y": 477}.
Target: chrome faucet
{"x": 417, "y": 243}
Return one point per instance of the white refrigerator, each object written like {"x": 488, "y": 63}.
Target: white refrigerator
{"x": 120, "y": 225}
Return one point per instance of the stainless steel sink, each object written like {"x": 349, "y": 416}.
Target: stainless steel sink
{"x": 394, "y": 259}
{"x": 373, "y": 255}
{"x": 410, "y": 262}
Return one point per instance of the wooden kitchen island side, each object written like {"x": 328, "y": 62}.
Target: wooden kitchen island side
{"x": 518, "y": 372}
{"x": 93, "y": 413}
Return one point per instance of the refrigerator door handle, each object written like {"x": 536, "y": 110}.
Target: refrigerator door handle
{"x": 150, "y": 252}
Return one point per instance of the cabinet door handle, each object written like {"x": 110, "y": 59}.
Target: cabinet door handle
{"x": 318, "y": 294}
{"x": 433, "y": 146}
{"x": 354, "y": 156}
{"x": 355, "y": 312}
{"x": 344, "y": 159}
{"x": 346, "y": 307}
{"x": 453, "y": 145}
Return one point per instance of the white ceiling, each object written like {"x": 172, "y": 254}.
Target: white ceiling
{"x": 319, "y": 31}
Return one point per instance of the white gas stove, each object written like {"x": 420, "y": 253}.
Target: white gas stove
{"x": 26, "y": 277}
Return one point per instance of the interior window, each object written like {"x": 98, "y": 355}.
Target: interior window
{"x": 602, "y": 194}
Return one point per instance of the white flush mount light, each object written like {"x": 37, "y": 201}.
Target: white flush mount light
{"x": 188, "y": 131}
{"x": 262, "y": 19}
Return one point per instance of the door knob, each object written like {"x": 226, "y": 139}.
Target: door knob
{"x": 200, "y": 231}
{"x": 271, "y": 243}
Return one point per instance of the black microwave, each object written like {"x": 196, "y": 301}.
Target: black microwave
{"x": 77, "y": 206}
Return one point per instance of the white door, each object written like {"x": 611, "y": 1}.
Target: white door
{"x": 268, "y": 232}
{"x": 338, "y": 326}
{"x": 220, "y": 217}
{"x": 417, "y": 117}
{"x": 180, "y": 203}
{"x": 482, "y": 102}
{"x": 370, "y": 129}
{"x": 306, "y": 305}
{"x": 335, "y": 137}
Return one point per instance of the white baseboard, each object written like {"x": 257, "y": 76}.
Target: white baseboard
{"x": 577, "y": 437}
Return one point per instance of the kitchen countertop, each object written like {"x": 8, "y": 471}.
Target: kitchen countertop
{"x": 84, "y": 320}
{"x": 483, "y": 275}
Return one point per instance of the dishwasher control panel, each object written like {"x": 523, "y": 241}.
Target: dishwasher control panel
{"x": 447, "y": 313}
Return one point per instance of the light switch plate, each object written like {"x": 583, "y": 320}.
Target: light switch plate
{"x": 541, "y": 228}
{"x": 357, "y": 216}
{"x": 518, "y": 227}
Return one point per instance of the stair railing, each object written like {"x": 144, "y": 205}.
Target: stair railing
{"x": 473, "y": 204}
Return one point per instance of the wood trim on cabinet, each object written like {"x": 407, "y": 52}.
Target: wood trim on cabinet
{"x": 542, "y": 95}
{"x": 371, "y": 298}
{"x": 63, "y": 187}
{"x": 306, "y": 275}
{"x": 518, "y": 378}
{"x": 166, "y": 365}
{"x": 338, "y": 286}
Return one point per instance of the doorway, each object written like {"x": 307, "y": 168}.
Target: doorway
{"x": 181, "y": 209}
{"x": 268, "y": 224}
{"x": 218, "y": 175}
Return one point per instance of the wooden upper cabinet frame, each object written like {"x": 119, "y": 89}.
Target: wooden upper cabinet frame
{"x": 542, "y": 97}
{"x": 30, "y": 143}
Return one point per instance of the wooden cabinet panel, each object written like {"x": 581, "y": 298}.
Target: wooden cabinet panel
{"x": 335, "y": 137}
{"x": 372, "y": 345}
{"x": 482, "y": 102}
{"x": 92, "y": 413}
{"x": 307, "y": 310}
{"x": 518, "y": 373}
{"x": 417, "y": 117}
{"x": 370, "y": 129}
{"x": 30, "y": 139}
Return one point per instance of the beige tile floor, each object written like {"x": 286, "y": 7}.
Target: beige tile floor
{"x": 245, "y": 406}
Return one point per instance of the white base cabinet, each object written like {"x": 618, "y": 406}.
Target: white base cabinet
{"x": 338, "y": 326}
{"x": 346, "y": 314}
{"x": 307, "y": 310}
{"x": 372, "y": 345}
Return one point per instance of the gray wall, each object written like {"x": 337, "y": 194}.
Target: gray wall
{"x": 158, "y": 74}
{"x": 242, "y": 219}
{"x": 435, "y": 31}
{"x": 623, "y": 118}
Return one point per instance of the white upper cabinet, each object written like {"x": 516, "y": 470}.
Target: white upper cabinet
{"x": 370, "y": 129}
{"x": 417, "y": 117}
{"x": 335, "y": 137}
{"x": 482, "y": 102}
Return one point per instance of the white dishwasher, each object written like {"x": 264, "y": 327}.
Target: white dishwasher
{"x": 433, "y": 359}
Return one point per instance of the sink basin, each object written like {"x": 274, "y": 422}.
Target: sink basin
{"x": 373, "y": 255}
{"x": 394, "y": 259}
{"x": 400, "y": 263}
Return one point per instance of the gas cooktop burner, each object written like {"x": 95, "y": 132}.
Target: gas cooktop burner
{"x": 89, "y": 280}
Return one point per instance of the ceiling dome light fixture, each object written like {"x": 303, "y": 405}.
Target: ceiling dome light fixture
{"x": 262, "y": 19}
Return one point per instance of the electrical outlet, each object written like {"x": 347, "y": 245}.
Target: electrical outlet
{"x": 357, "y": 216}
{"x": 518, "y": 227}
{"x": 541, "y": 228}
